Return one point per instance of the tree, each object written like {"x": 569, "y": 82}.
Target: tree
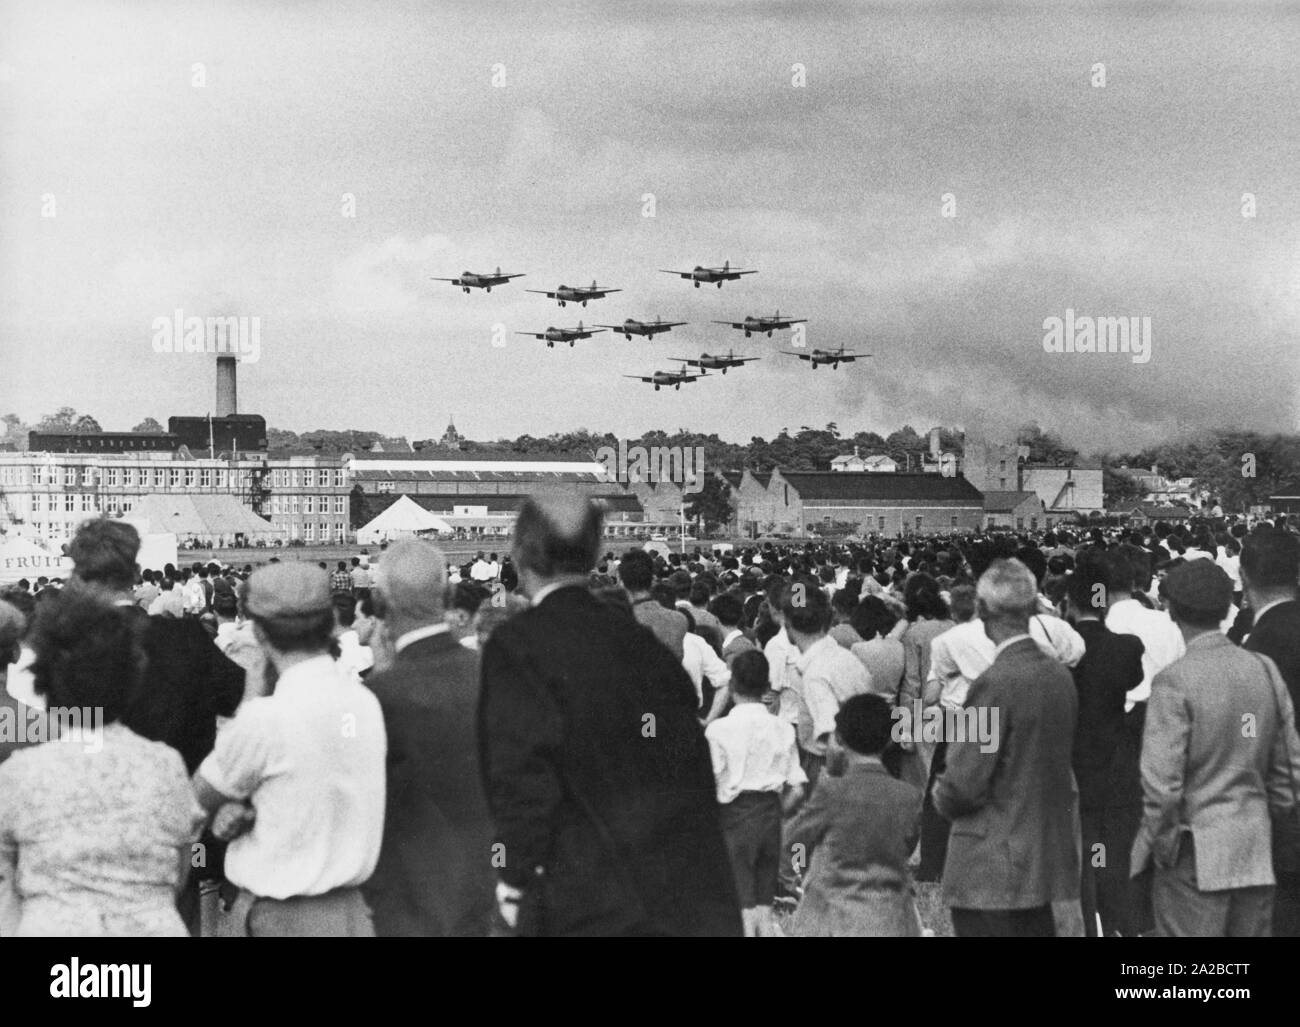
{"x": 62, "y": 420}
{"x": 86, "y": 424}
{"x": 712, "y": 503}
{"x": 149, "y": 426}
{"x": 15, "y": 433}
{"x": 1045, "y": 447}
{"x": 1118, "y": 488}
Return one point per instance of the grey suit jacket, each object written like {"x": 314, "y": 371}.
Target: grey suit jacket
{"x": 1015, "y": 822}
{"x": 859, "y": 829}
{"x": 1219, "y": 726}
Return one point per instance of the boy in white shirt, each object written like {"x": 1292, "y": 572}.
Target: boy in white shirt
{"x": 756, "y": 767}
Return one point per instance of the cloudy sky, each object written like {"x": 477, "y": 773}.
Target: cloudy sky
{"x": 227, "y": 198}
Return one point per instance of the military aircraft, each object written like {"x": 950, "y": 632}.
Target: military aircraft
{"x": 471, "y": 280}
{"x": 834, "y": 357}
{"x": 710, "y": 274}
{"x": 650, "y": 329}
{"x": 761, "y": 323}
{"x": 552, "y": 335}
{"x": 674, "y": 378}
{"x": 718, "y": 362}
{"x": 576, "y": 293}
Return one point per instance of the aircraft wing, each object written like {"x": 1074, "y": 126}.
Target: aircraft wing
{"x": 733, "y": 324}
{"x": 680, "y": 274}
{"x": 521, "y": 274}
{"x": 535, "y": 335}
{"x": 606, "y": 292}
{"x": 542, "y": 292}
{"x": 432, "y": 279}
{"x": 794, "y": 321}
{"x": 694, "y": 377}
{"x": 688, "y": 360}
{"x": 801, "y": 356}
{"x": 744, "y": 360}
{"x": 668, "y": 324}
{"x": 614, "y": 328}
{"x": 640, "y": 378}
{"x": 737, "y": 274}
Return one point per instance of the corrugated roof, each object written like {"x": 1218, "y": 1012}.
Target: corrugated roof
{"x": 476, "y": 456}
{"x": 867, "y": 486}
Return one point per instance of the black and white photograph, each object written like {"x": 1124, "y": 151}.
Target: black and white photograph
{"x": 680, "y": 469}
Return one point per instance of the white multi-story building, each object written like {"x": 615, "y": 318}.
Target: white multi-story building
{"x": 45, "y": 495}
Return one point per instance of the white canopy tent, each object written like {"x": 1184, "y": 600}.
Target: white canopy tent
{"x": 405, "y": 518}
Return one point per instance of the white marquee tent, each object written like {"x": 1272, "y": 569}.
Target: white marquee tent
{"x": 403, "y": 519}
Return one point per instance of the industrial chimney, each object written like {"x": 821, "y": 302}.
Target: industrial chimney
{"x": 227, "y": 397}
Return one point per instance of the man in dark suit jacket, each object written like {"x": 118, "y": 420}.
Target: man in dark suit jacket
{"x": 434, "y": 877}
{"x": 597, "y": 771}
{"x": 1105, "y": 760}
{"x": 1014, "y": 845}
{"x": 1270, "y": 567}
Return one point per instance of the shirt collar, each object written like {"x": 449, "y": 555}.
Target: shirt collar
{"x": 822, "y": 645}
{"x": 307, "y": 672}
{"x": 554, "y": 586}
{"x": 1268, "y": 606}
{"x": 428, "y": 631}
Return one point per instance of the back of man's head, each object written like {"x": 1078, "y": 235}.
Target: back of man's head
{"x": 410, "y": 581}
{"x": 636, "y": 570}
{"x": 806, "y": 608}
{"x": 104, "y": 552}
{"x": 557, "y": 534}
{"x": 1270, "y": 559}
{"x": 1007, "y": 591}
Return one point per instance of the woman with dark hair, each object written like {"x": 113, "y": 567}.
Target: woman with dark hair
{"x": 880, "y": 651}
{"x": 96, "y": 824}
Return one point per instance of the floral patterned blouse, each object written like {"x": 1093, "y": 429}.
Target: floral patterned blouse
{"x": 92, "y": 833}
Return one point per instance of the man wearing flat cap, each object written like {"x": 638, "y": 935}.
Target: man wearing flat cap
{"x": 1220, "y": 755}
{"x": 308, "y": 761}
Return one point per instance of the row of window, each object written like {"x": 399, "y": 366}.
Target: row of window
{"x": 171, "y": 477}
{"x": 292, "y": 504}
{"x": 310, "y": 477}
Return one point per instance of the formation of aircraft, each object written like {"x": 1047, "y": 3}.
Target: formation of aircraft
{"x": 649, "y": 329}
{"x": 834, "y": 357}
{"x": 552, "y": 335}
{"x": 699, "y": 275}
{"x": 761, "y": 323}
{"x": 575, "y": 293}
{"x": 472, "y": 280}
{"x": 674, "y": 378}
{"x": 719, "y": 275}
{"x": 717, "y": 362}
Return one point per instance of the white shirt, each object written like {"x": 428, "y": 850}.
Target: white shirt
{"x": 752, "y": 751}
{"x": 1162, "y": 642}
{"x": 310, "y": 759}
{"x": 1232, "y": 567}
{"x": 20, "y": 682}
{"x": 354, "y": 657}
{"x": 168, "y": 604}
{"x": 481, "y": 571}
{"x": 826, "y": 676}
{"x": 782, "y": 655}
{"x": 428, "y": 631}
{"x": 700, "y": 660}
{"x": 963, "y": 653}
